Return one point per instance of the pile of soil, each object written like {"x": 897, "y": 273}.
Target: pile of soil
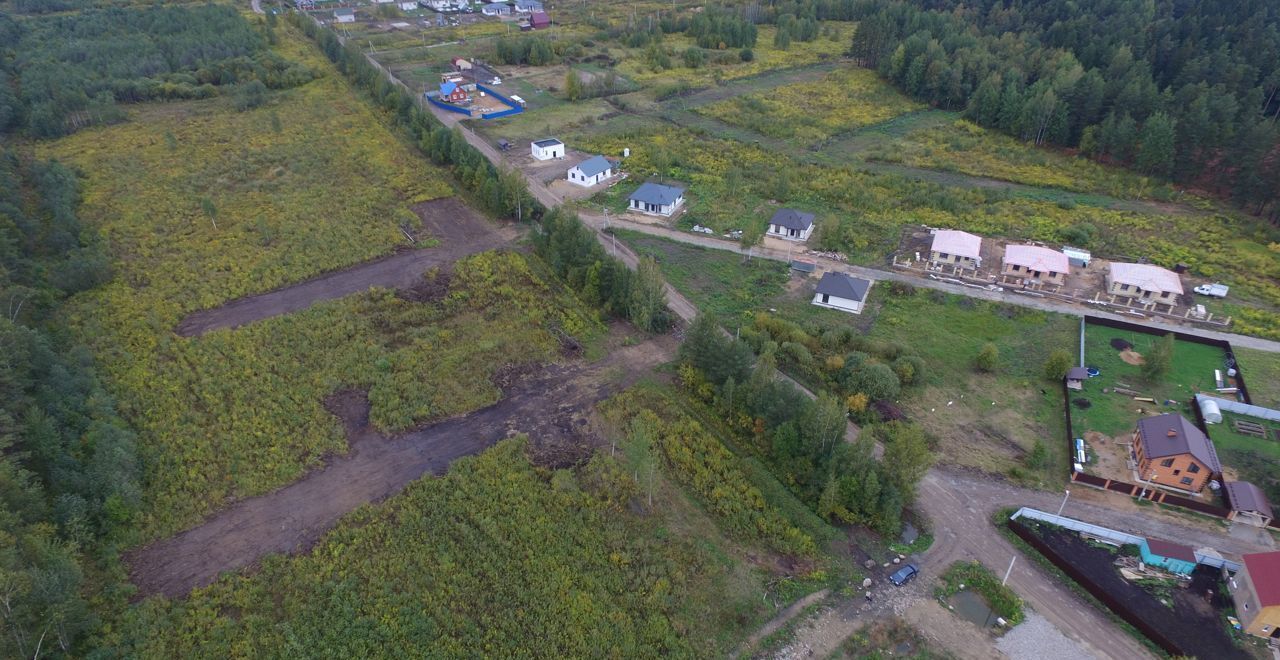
{"x": 1082, "y": 403}
{"x": 1132, "y": 357}
{"x": 1120, "y": 344}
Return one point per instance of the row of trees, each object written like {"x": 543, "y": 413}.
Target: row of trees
{"x": 803, "y": 439}
{"x": 1188, "y": 91}
{"x": 68, "y": 71}
{"x": 69, "y": 472}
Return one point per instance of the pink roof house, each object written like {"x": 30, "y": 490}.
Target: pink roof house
{"x": 1144, "y": 282}
{"x": 1033, "y": 262}
{"x": 956, "y": 247}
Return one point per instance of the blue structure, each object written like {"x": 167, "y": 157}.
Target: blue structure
{"x": 1170, "y": 556}
{"x": 514, "y": 108}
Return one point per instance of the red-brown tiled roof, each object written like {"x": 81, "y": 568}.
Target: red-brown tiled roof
{"x": 1171, "y": 550}
{"x": 1264, "y": 572}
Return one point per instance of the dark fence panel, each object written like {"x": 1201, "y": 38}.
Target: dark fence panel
{"x": 1095, "y": 589}
{"x": 1089, "y": 479}
{"x": 1071, "y": 439}
{"x": 1195, "y": 505}
{"x": 1121, "y": 487}
{"x": 449, "y": 107}
{"x": 1181, "y": 336}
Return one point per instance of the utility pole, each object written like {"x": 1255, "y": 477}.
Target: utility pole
{"x": 1064, "y": 500}
{"x": 1006, "y": 573}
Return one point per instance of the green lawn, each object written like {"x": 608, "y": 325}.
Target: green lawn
{"x": 1112, "y": 413}
{"x": 1261, "y": 375}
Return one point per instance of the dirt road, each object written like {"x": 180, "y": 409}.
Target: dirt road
{"x": 460, "y": 230}
{"x": 549, "y": 405}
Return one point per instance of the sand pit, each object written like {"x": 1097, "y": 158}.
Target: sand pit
{"x": 1132, "y": 357}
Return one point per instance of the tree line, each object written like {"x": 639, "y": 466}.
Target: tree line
{"x": 1186, "y": 90}
{"x": 802, "y": 439}
{"x": 69, "y": 470}
{"x": 61, "y": 73}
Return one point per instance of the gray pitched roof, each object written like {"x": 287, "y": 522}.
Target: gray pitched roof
{"x": 594, "y": 165}
{"x": 1077, "y": 373}
{"x": 656, "y": 193}
{"x": 1171, "y": 434}
{"x": 344, "y": 12}
{"x": 845, "y": 286}
{"x": 792, "y": 219}
{"x": 548, "y": 142}
{"x": 1244, "y": 496}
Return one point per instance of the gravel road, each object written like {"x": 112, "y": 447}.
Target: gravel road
{"x": 1037, "y": 639}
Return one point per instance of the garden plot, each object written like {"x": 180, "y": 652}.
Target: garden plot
{"x": 1107, "y": 410}
{"x": 1251, "y": 449}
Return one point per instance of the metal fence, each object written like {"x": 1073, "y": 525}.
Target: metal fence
{"x": 1115, "y": 536}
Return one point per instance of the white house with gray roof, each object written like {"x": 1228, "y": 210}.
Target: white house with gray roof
{"x": 791, "y": 225}
{"x": 591, "y": 171}
{"x": 547, "y": 148}
{"x": 656, "y": 199}
{"x": 842, "y": 291}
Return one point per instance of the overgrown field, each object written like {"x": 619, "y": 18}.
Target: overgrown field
{"x": 201, "y": 205}
{"x": 963, "y": 146}
{"x": 497, "y": 557}
{"x": 811, "y": 112}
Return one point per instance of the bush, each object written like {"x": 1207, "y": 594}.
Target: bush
{"x": 1056, "y": 367}
{"x": 746, "y": 55}
{"x": 988, "y": 358}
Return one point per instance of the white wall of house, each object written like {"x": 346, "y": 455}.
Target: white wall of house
{"x": 547, "y": 153}
{"x": 576, "y": 176}
{"x": 778, "y": 231}
{"x": 656, "y": 209}
{"x": 409, "y": 6}
{"x": 835, "y": 302}
{"x": 346, "y": 18}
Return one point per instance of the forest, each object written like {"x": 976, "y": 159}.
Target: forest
{"x": 68, "y": 71}
{"x": 1188, "y": 90}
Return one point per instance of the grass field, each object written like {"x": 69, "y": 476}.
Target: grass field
{"x": 812, "y": 112}
{"x": 497, "y": 547}
{"x": 237, "y": 413}
{"x": 1261, "y": 371}
{"x": 1112, "y": 413}
{"x": 990, "y": 421}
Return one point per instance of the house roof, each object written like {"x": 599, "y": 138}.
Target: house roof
{"x": 549, "y": 142}
{"x": 344, "y": 12}
{"x": 792, "y": 219}
{"x": 1244, "y": 496}
{"x": 1077, "y": 373}
{"x": 656, "y": 193}
{"x": 540, "y": 18}
{"x": 1146, "y": 277}
{"x": 843, "y": 285}
{"x": 529, "y": 4}
{"x": 1037, "y": 258}
{"x": 959, "y": 243}
{"x": 1172, "y": 434}
{"x": 1264, "y": 572}
{"x": 447, "y": 88}
{"x": 594, "y": 165}
{"x": 1171, "y": 550}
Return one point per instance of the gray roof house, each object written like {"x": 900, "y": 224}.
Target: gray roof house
{"x": 656, "y": 199}
{"x": 842, "y": 291}
{"x": 1248, "y": 503}
{"x": 791, "y": 224}
{"x": 595, "y": 165}
{"x": 528, "y": 5}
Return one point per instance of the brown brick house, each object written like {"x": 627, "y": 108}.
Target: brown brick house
{"x": 1171, "y": 451}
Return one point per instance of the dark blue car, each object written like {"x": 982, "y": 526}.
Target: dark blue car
{"x": 904, "y": 575}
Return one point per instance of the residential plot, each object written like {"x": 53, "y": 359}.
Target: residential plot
{"x": 811, "y": 112}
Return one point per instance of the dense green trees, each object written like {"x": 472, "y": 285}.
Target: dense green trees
{"x": 71, "y": 70}
{"x": 1182, "y": 89}
{"x": 69, "y": 474}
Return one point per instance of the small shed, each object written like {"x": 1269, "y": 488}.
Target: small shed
{"x": 1248, "y": 504}
{"x": 1170, "y": 556}
{"x": 344, "y": 15}
{"x": 547, "y": 148}
{"x": 1076, "y": 377}
{"x": 460, "y": 64}
{"x": 1077, "y": 256}
{"x": 539, "y": 20}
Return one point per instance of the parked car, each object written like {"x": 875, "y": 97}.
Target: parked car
{"x": 904, "y": 575}
{"x": 1213, "y": 290}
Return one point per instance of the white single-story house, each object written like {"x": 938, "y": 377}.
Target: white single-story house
{"x": 842, "y": 291}
{"x": 528, "y": 6}
{"x": 656, "y": 199}
{"x": 1032, "y": 262}
{"x": 410, "y": 5}
{"x": 1144, "y": 282}
{"x": 956, "y": 247}
{"x": 344, "y": 15}
{"x": 791, "y": 224}
{"x": 591, "y": 171}
{"x": 496, "y": 9}
{"x": 547, "y": 149}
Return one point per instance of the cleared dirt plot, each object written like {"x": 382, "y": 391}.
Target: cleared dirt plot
{"x": 811, "y": 112}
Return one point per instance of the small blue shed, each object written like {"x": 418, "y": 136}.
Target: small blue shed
{"x": 1170, "y": 556}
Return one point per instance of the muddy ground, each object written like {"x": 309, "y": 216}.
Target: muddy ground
{"x": 550, "y": 404}
{"x": 460, "y": 230}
